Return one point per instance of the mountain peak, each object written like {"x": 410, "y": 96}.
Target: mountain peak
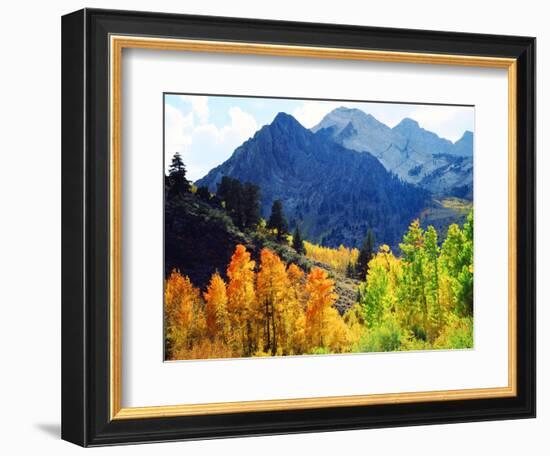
{"x": 340, "y": 117}
{"x": 346, "y": 110}
{"x": 285, "y": 120}
{"x": 465, "y": 145}
{"x": 467, "y": 135}
{"x": 309, "y": 171}
{"x": 407, "y": 122}
{"x": 352, "y": 113}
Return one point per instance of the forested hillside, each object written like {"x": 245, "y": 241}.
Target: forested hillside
{"x": 240, "y": 283}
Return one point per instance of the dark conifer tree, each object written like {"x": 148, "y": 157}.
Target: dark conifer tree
{"x": 277, "y": 220}
{"x": 298, "y": 242}
{"x": 350, "y": 270}
{"x": 203, "y": 193}
{"x": 230, "y": 192}
{"x": 225, "y": 190}
{"x": 250, "y": 205}
{"x": 241, "y": 201}
{"x": 365, "y": 255}
{"x": 176, "y": 175}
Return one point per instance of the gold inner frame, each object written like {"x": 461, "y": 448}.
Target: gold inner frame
{"x": 117, "y": 44}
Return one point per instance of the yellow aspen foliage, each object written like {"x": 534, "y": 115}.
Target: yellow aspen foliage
{"x": 321, "y": 297}
{"x": 355, "y": 321}
{"x": 379, "y": 294}
{"x": 241, "y": 300}
{"x": 272, "y": 291}
{"x": 217, "y": 317}
{"x": 296, "y": 290}
{"x": 295, "y": 274}
{"x": 337, "y": 337}
{"x": 184, "y": 317}
{"x": 420, "y": 300}
{"x": 337, "y": 259}
{"x": 296, "y": 319}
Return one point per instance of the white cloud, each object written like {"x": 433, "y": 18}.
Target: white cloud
{"x": 204, "y": 145}
{"x": 177, "y": 129}
{"x": 199, "y": 106}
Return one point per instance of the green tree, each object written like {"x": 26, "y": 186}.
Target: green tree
{"x": 277, "y": 220}
{"x": 365, "y": 255}
{"x": 457, "y": 255}
{"x": 298, "y": 242}
{"x": 466, "y": 277}
{"x": 412, "y": 293}
{"x": 377, "y": 295}
{"x": 431, "y": 273}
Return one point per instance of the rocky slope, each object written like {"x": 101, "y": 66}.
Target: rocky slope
{"x": 333, "y": 193}
{"x": 416, "y": 155}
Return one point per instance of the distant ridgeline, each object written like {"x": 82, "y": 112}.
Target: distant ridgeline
{"x": 352, "y": 173}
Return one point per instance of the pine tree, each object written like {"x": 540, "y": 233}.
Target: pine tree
{"x": 242, "y": 201}
{"x": 298, "y": 242}
{"x": 250, "y": 205}
{"x": 365, "y": 255}
{"x": 176, "y": 175}
{"x": 203, "y": 193}
{"x": 277, "y": 220}
{"x": 230, "y": 192}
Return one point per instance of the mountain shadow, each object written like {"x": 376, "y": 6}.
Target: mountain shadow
{"x": 334, "y": 194}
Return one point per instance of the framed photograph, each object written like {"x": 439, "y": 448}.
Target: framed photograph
{"x": 279, "y": 227}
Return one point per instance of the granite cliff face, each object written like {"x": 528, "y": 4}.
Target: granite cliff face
{"x": 416, "y": 155}
{"x": 333, "y": 193}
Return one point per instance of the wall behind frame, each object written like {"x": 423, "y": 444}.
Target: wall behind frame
{"x": 30, "y": 233}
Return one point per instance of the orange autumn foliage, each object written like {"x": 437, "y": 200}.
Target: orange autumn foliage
{"x": 321, "y": 297}
{"x": 241, "y": 300}
{"x": 184, "y": 316}
{"x": 421, "y": 300}
{"x": 275, "y": 310}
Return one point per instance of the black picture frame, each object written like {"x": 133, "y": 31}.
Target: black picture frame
{"x": 85, "y": 228}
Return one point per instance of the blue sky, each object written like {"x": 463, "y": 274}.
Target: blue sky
{"x": 207, "y": 129}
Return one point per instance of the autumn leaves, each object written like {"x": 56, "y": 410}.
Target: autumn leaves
{"x": 420, "y": 300}
{"x": 275, "y": 311}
